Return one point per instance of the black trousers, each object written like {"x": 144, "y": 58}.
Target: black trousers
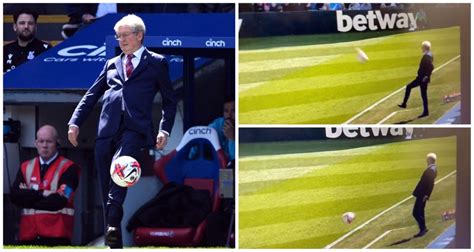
{"x": 423, "y": 90}
{"x": 419, "y": 212}
{"x": 125, "y": 143}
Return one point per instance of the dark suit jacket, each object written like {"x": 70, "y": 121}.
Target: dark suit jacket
{"x": 150, "y": 76}
{"x": 426, "y": 66}
{"x": 426, "y": 183}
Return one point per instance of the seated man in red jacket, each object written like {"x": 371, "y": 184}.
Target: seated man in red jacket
{"x": 44, "y": 189}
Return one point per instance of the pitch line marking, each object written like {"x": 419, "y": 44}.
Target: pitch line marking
{"x": 395, "y": 92}
{"x": 378, "y": 215}
{"x": 392, "y": 114}
{"x": 388, "y": 117}
{"x": 381, "y": 236}
{"x": 377, "y": 239}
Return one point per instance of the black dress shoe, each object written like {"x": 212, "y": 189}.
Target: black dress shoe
{"x": 423, "y": 115}
{"x": 421, "y": 233}
{"x": 113, "y": 238}
{"x": 402, "y": 105}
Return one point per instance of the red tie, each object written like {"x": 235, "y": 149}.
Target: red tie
{"x": 129, "y": 65}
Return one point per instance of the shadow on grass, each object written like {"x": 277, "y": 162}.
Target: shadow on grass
{"x": 406, "y": 121}
{"x": 401, "y": 241}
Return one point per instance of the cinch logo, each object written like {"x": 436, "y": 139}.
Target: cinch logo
{"x": 352, "y": 132}
{"x": 388, "y": 21}
{"x": 82, "y": 50}
{"x": 169, "y": 42}
{"x": 215, "y": 43}
{"x": 200, "y": 131}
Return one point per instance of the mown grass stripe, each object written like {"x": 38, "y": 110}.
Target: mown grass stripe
{"x": 258, "y": 185}
{"x": 292, "y": 198}
{"x": 311, "y": 110}
{"x": 276, "y": 174}
{"x": 282, "y": 63}
{"x": 269, "y": 235}
{"x": 263, "y": 217}
{"x": 302, "y": 97}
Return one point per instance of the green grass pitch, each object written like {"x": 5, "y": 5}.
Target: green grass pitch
{"x": 295, "y": 200}
{"x": 285, "y": 80}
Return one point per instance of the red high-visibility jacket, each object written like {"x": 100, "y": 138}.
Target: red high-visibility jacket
{"x": 52, "y": 224}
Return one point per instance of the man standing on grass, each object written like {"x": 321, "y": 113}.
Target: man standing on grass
{"x": 422, "y": 79}
{"x": 423, "y": 191}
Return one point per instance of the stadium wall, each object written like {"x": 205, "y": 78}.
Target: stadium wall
{"x": 264, "y": 24}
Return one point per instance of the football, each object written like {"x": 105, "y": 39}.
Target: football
{"x": 348, "y": 217}
{"x": 361, "y": 56}
{"x": 125, "y": 171}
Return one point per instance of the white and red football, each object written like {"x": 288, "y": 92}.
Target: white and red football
{"x": 125, "y": 171}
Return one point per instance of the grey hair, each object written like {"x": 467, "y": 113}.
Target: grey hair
{"x": 133, "y": 21}
{"x": 431, "y": 156}
{"x": 426, "y": 45}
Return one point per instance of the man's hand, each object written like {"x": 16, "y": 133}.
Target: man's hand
{"x": 229, "y": 129}
{"x": 425, "y": 79}
{"x": 161, "y": 140}
{"x": 425, "y": 198}
{"x": 72, "y": 135}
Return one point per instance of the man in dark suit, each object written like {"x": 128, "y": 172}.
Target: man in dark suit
{"x": 422, "y": 193}
{"x": 128, "y": 83}
{"x": 422, "y": 79}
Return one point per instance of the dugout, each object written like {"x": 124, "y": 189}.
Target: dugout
{"x": 201, "y": 56}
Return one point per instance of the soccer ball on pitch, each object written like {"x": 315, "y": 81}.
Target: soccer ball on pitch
{"x": 125, "y": 171}
{"x": 361, "y": 56}
{"x": 348, "y": 217}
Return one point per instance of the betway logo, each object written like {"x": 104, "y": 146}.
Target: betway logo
{"x": 169, "y": 42}
{"x": 374, "y": 20}
{"x": 215, "y": 43}
{"x": 353, "y": 132}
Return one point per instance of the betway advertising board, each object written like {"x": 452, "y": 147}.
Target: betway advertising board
{"x": 315, "y": 22}
{"x": 76, "y": 62}
{"x": 368, "y": 132}
{"x": 374, "y": 21}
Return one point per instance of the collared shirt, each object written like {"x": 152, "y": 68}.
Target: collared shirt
{"x": 44, "y": 164}
{"x": 48, "y": 162}
{"x": 432, "y": 167}
{"x": 135, "y": 60}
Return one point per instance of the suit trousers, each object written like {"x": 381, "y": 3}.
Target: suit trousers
{"x": 125, "y": 143}
{"x": 423, "y": 90}
{"x": 419, "y": 212}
